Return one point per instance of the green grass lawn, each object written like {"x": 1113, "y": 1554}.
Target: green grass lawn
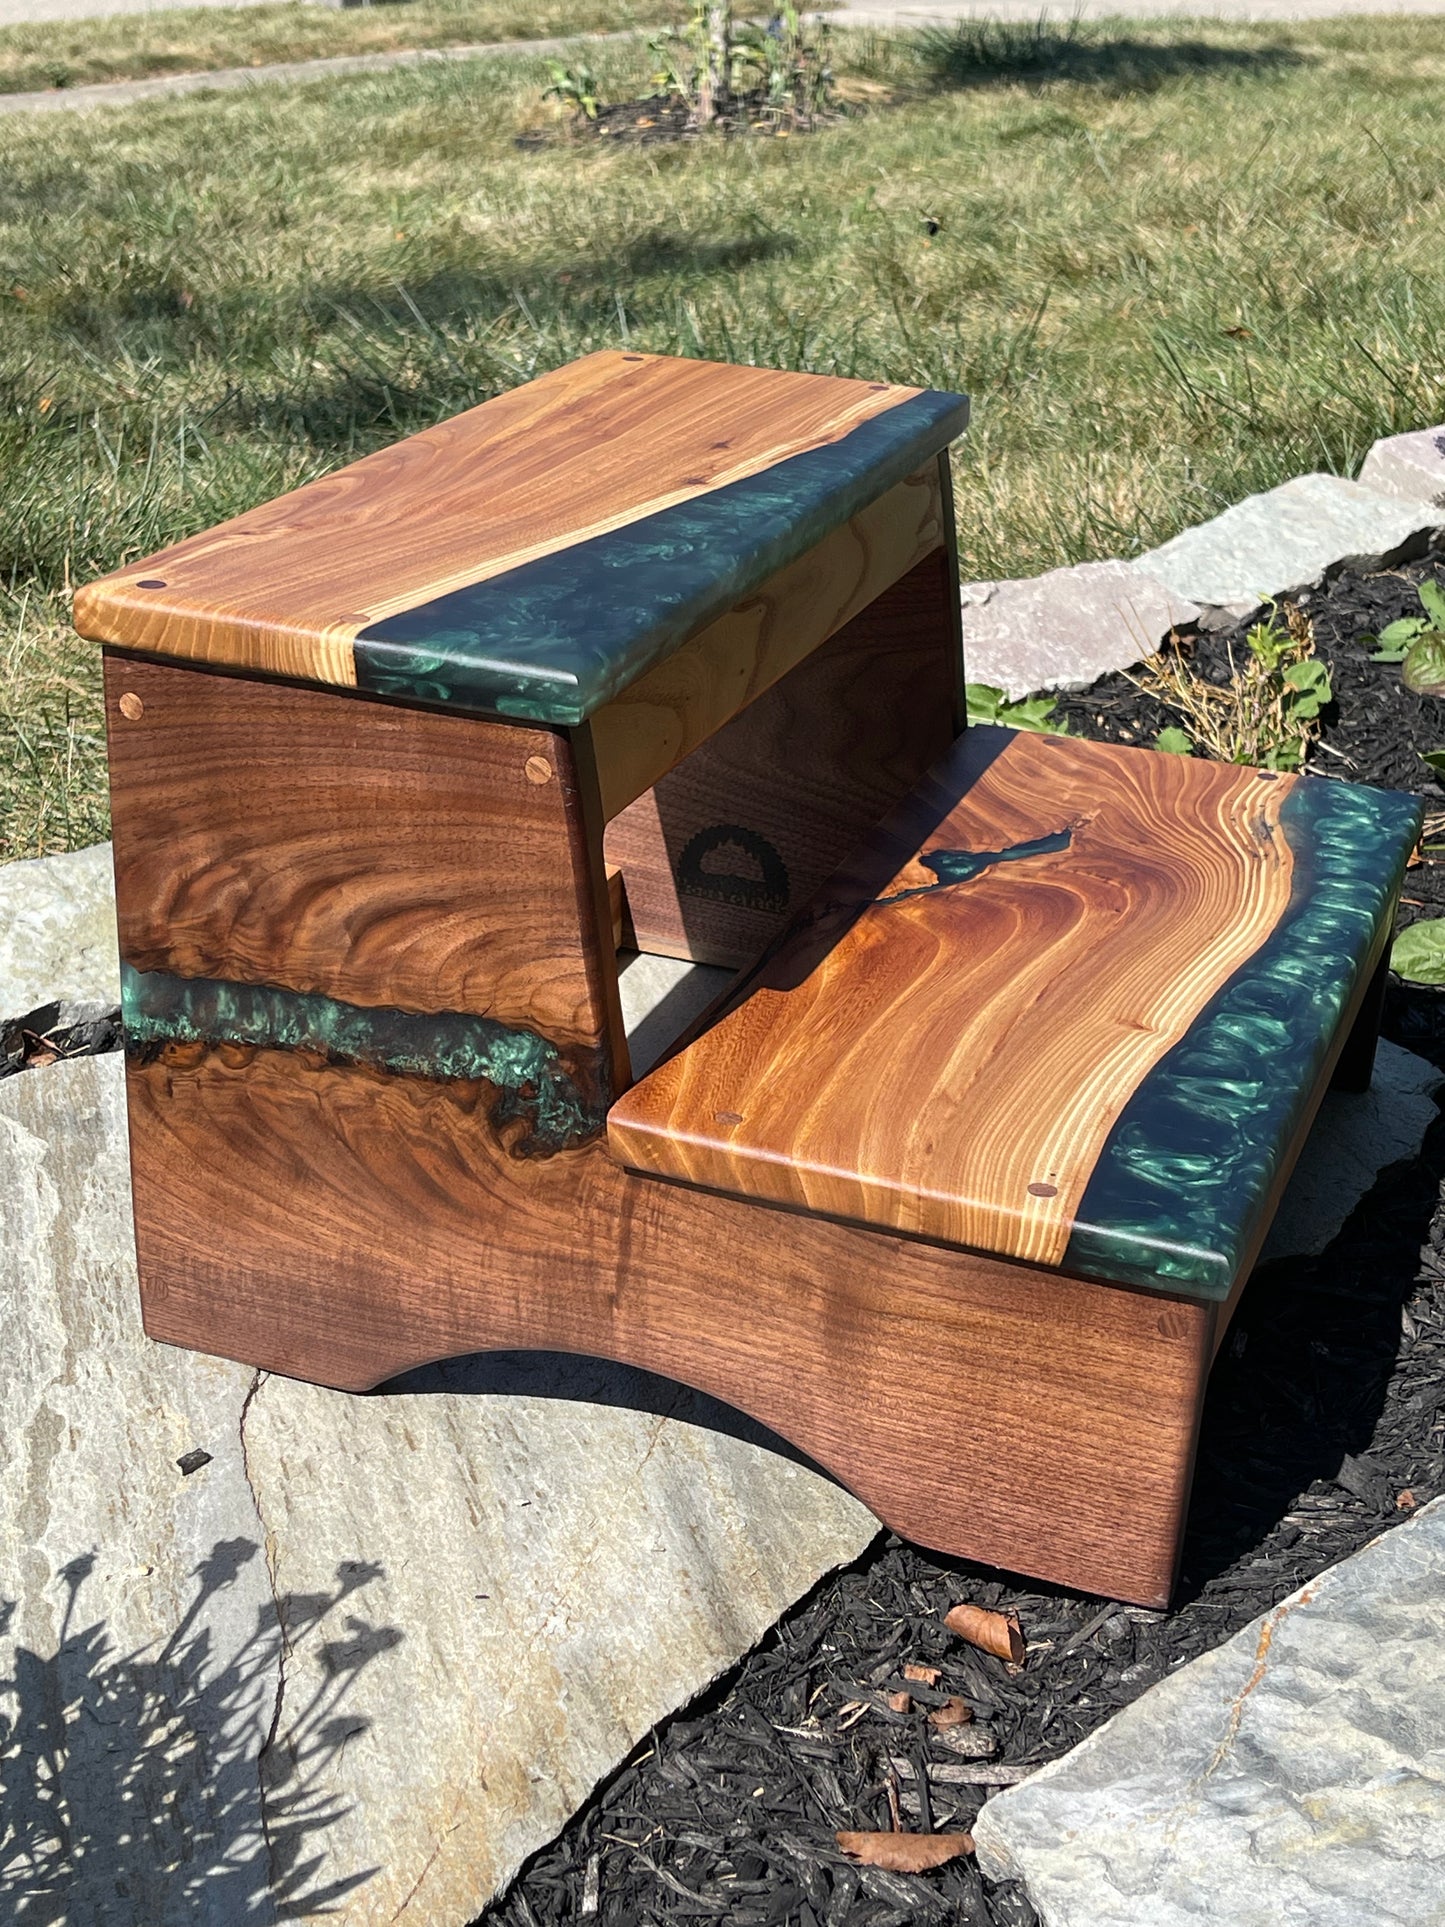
{"x": 185, "y": 40}
{"x": 1171, "y": 265}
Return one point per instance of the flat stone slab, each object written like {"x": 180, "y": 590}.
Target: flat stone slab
{"x": 57, "y": 932}
{"x": 366, "y": 1653}
{"x": 1296, "y": 1774}
{"x": 1065, "y": 629}
{"x": 1287, "y": 539}
{"x": 1353, "y": 1138}
{"x": 1411, "y": 466}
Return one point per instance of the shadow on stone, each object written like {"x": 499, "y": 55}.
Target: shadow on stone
{"x": 1302, "y": 1391}
{"x": 594, "y": 1381}
{"x": 175, "y": 1774}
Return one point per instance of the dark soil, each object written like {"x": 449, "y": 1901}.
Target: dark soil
{"x": 1325, "y": 1423}
{"x": 646, "y": 122}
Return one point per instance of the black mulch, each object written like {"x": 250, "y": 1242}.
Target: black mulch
{"x": 1325, "y": 1423}
{"x": 649, "y": 121}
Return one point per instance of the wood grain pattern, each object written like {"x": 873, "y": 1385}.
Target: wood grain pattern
{"x": 386, "y": 857}
{"x": 674, "y": 708}
{"x": 731, "y": 842}
{"x": 285, "y": 588}
{"x": 952, "y": 1063}
{"x": 342, "y": 1226}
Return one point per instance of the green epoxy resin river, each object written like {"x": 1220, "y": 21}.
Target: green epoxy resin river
{"x": 531, "y": 1078}
{"x": 1177, "y": 1193}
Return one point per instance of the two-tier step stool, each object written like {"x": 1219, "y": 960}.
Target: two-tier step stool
{"x": 955, "y": 1188}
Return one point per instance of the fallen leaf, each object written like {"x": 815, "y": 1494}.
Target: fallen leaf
{"x": 1240, "y": 334}
{"x": 996, "y": 1633}
{"x": 953, "y": 1712}
{"x": 900, "y": 1702}
{"x": 925, "y": 1675}
{"x": 905, "y": 1852}
{"x": 1406, "y": 1501}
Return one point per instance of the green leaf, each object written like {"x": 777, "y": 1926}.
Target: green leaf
{"x": 1419, "y": 952}
{"x": 1432, "y": 601}
{"x": 1424, "y": 667}
{"x": 1434, "y": 759}
{"x": 989, "y": 705}
{"x": 1174, "y": 742}
{"x": 1398, "y": 635}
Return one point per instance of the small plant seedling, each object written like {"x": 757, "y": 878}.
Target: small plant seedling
{"x": 575, "y": 86}
{"x": 1174, "y": 741}
{"x": 1418, "y": 643}
{"x": 1419, "y": 952}
{"x": 989, "y": 705}
{"x": 1268, "y": 713}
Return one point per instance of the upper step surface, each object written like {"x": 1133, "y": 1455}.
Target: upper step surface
{"x": 533, "y": 556}
{"x": 1071, "y": 1005}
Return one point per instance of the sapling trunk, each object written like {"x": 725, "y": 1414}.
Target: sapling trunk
{"x": 715, "y": 69}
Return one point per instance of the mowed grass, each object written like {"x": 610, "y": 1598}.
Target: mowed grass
{"x": 1171, "y": 265}
{"x": 185, "y": 40}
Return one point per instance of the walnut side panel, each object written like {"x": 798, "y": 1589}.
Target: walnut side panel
{"x": 732, "y": 841}
{"x": 380, "y": 856}
{"x": 342, "y": 1225}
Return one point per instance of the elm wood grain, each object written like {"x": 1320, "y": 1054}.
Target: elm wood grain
{"x": 732, "y": 841}
{"x": 381, "y": 856}
{"x": 952, "y": 1065}
{"x": 675, "y": 707}
{"x": 341, "y": 1226}
{"x": 286, "y": 588}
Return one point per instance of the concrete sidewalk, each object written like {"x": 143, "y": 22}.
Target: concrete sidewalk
{"x": 862, "y": 13}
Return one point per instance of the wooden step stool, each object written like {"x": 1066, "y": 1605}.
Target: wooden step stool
{"x": 955, "y": 1190}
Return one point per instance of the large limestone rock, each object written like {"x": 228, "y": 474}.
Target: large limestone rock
{"x": 57, "y": 931}
{"x": 1296, "y": 1774}
{"x": 371, "y": 1652}
{"x": 1409, "y": 466}
{"x": 1287, "y": 539}
{"x": 1065, "y": 629}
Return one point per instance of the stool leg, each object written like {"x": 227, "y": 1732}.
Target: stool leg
{"x": 1356, "y": 1063}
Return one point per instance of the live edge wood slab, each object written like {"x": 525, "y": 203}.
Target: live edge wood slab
{"x": 379, "y": 752}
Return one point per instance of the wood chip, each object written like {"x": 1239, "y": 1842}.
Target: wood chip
{"x": 905, "y": 1852}
{"x": 968, "y": 1742}
{"x": 953, "y": 1712}
{"x": 996, "y": 1633}
{"x": 970, "y": 1774}
{"x": 900, "y": 1702}
{"x": 925, "y": 1675}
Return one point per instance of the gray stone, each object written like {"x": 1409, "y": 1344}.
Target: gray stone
{"x": 1409, "y": 466}
{"x": 1065, "y": 629}
{"x": 1287, "y": 539}
{"x": 57, "y": 932}
{"x": 1296, "y": 1774}
{"x": 660, "y": 998}
{"x": 1352, "y": 1140}
{"x": 373, "y": 1651}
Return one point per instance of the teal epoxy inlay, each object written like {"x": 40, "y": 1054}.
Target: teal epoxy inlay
{"x": 559, "y": 1105}
{"x": 1176, "y": 1196}
{"x": 962, "y": 866}
{"x": 552, "y": 641}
